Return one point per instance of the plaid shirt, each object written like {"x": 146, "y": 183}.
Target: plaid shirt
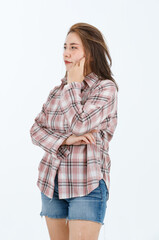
{"x": 75, "y": 108}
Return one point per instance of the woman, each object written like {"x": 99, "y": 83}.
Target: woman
{"x": 74, "y": 129}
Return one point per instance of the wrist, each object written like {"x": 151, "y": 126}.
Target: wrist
{"x": 64, "y": 142}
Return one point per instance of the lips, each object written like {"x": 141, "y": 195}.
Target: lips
{"x": 67, "y": 62}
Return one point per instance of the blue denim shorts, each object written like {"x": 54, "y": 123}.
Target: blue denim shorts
{"x": 91, "y": 207}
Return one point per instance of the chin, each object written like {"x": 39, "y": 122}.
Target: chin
{"x": 67, "y": 68}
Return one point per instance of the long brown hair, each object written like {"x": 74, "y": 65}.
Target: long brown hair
{"x": 96, "y": 51}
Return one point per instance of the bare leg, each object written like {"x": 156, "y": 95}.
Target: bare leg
{"x": 58, "y": 229}
{"x": 83, "y": 230}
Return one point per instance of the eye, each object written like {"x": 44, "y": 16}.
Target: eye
{"x": 72, "y": 47}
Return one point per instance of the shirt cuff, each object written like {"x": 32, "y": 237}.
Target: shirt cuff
{"x": 63, "y": 152}
{"x": 59, "y": 149}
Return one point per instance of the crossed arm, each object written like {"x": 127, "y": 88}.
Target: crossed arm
{"x": 80, "y": 118}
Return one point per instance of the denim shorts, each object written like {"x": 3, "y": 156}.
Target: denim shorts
{"x": 91, "y": 207}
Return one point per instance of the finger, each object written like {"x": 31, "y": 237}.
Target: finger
{"x": 80, "y": 143}
{"x": 74, "y": 64}
{"x": 93, "y": 138}
{"x": 83, "y": 142}
{"x": 83, "y": 66}
{"x": 94, "y": 130}
{"x": 90, "y": 138}
{"x": 90, "y": 135}
{"x": 86, "y": 139}
{"x": 82, "y": 61}
{"x": 81, "y": 138}
{"x": 77, "y": 143}
{"x": 79, "y": 62}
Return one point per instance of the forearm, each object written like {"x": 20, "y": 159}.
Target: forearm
{"x": 100, "y": 105}
{"x": 48, "y": 140}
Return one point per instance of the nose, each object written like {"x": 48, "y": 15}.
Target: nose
{"x": 66, "y": 53}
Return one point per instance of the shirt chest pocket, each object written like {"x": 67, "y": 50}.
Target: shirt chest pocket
{"x": 55, "y": 118}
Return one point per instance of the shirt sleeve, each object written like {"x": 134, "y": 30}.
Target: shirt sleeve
{"x": 48, "y": 140}
{"x": 101, "y": 104}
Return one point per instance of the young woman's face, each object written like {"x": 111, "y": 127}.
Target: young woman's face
{"x": 73, "y": 49}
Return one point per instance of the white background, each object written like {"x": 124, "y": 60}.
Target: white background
{"x": 31, "y": 62}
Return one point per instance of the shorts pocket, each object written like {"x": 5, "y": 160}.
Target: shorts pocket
{"x": 96, "y": 194}
{"x": 103, "y": 183}
{"x": 104, "y": 189}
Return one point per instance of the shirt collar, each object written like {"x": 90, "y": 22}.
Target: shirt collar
{"x": 90, "y": 79}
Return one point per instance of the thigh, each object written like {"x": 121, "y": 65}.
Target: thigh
{"x": 82, "y": 229}
{"x": 91, "y": 207}
{"x": 57, "y": 228}
{"x": 55, "y": 211}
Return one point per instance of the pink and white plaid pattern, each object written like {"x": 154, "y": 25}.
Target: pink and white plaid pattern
{"x": 75, "y": 108}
